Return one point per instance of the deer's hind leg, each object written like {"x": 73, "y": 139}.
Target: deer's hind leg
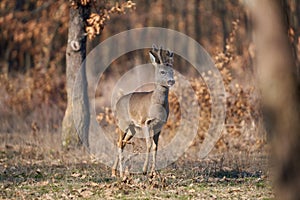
{"x": 120, "y": 146}
{"x": 124, "y": 138}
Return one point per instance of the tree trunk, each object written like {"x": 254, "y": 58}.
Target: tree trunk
{"x": 75, "y": 125}
{"x": 280, "y": 94}
{"x": 197, "y": 21}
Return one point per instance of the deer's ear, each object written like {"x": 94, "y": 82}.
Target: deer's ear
{"x": 170, "y": 53}
{"x": 152, "y": 58}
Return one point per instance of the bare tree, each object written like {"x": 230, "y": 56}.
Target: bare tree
{"x": 83, "y": 23}
{"x": 280, "y": 94}
{"x": 75, "y": 55}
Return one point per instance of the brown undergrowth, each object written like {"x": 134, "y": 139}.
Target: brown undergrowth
{"x": 243, "y": 128}
{"x": 32, "y": 101}
{"x": 33, "y": 166}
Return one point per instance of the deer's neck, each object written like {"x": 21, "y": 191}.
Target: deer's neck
{"x": 160, "y": 95}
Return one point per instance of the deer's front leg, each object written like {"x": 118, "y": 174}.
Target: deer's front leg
{"x": 154, "y": 153}
{"x": 148, "y": 146}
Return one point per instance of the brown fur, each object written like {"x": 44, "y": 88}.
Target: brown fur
{"x": 148, "y": 110}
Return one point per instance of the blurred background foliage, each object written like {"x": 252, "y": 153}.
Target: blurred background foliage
{"x": 32, "y": 59}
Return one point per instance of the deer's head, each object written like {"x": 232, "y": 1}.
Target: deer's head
{"x": 162, "y": 60}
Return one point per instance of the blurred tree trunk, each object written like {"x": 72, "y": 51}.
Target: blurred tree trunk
{"x": 280, "y": 93}
{"x": 225, "y": 19}
{"x": 78, "y": 104}
{"x": 197, "y": 20}
{"x": 166, "y": 5}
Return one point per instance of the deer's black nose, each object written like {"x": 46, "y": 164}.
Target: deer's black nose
{"x": 171, "y": 82}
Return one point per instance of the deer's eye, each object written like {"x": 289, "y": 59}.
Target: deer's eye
{"x": 163, "y": 72}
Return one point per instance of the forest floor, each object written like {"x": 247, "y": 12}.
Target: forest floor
{"x": 37, "y": 168}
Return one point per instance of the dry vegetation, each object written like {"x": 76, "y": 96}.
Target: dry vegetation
{"x": 33, "y": 100}
{"x": 243, "y": 130}
{"x": 34, "y": 167}
{"x": 37, "y": 99}
{"x": 32, "y": 164}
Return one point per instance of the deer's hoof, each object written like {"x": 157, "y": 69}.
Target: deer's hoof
{"x": 154, "y": 174}
{"x": 113, "y": 173}
{"x": 145, "y": 170}
{"x": 125, "y": 179}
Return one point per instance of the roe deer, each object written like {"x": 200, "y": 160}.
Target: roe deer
{"x": 146, "y": 111}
